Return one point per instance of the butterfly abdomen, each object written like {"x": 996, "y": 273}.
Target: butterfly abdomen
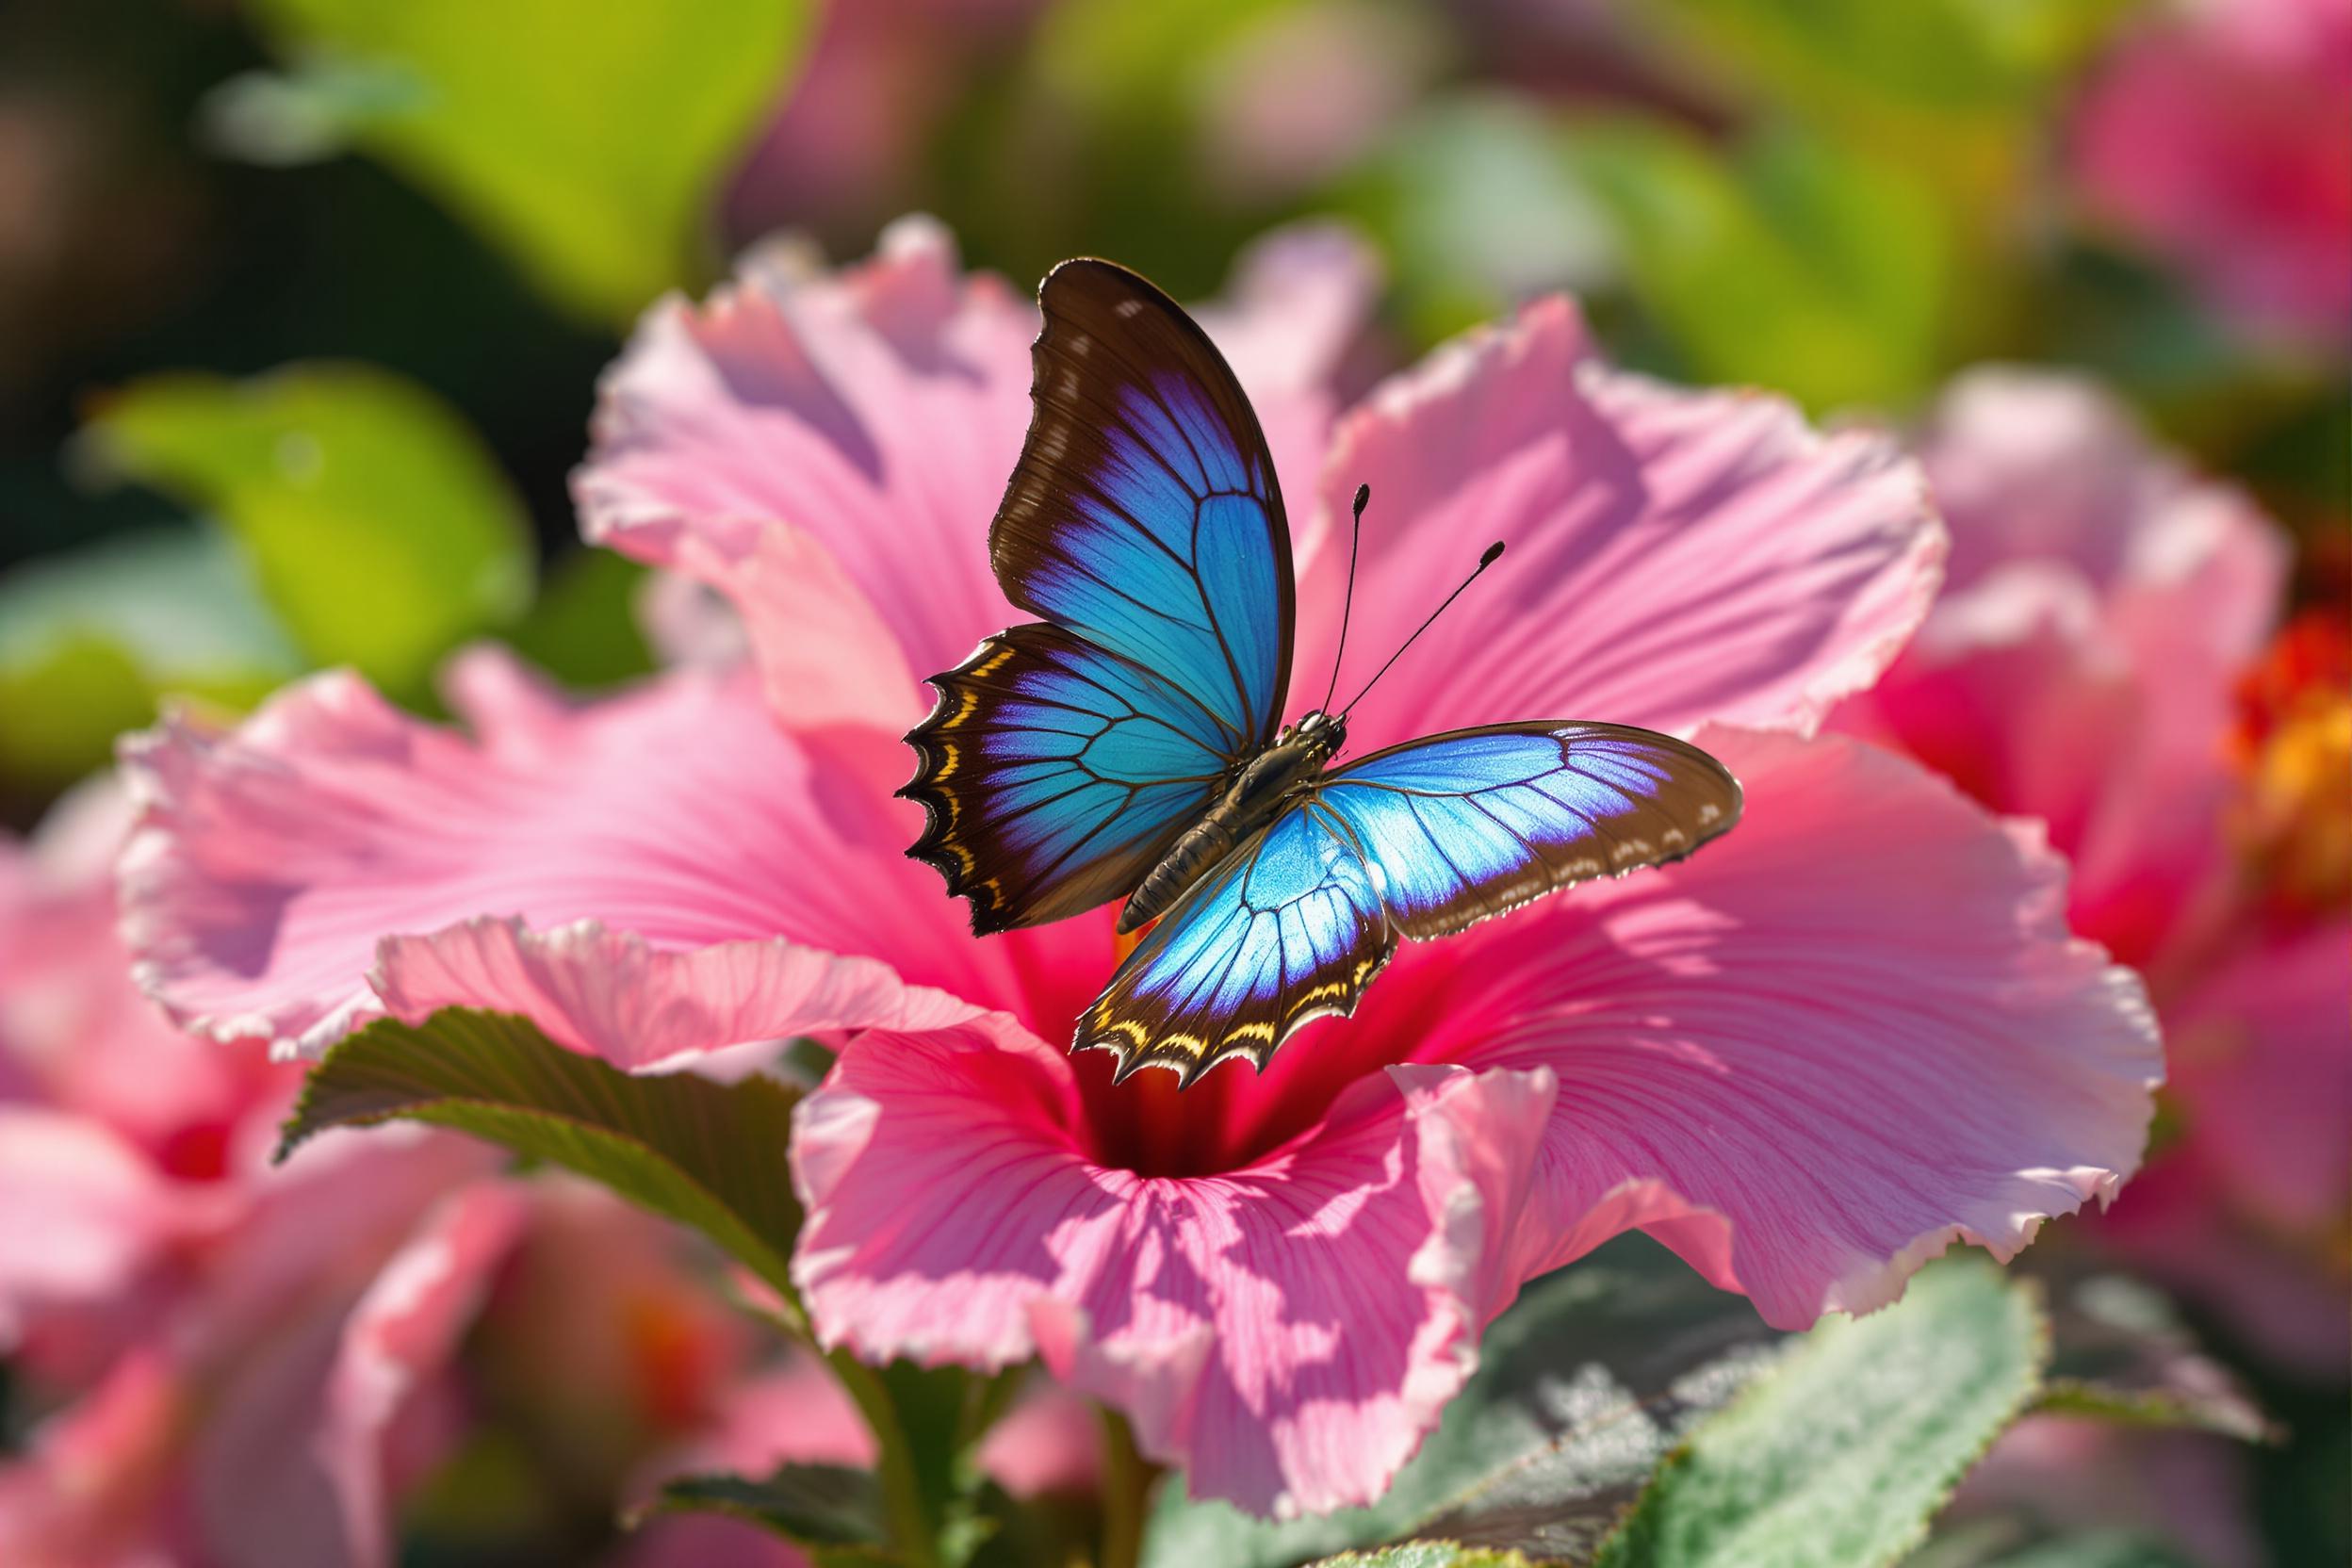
{"x": 1204, "y": 843}
{"x": 1256, "y": 797}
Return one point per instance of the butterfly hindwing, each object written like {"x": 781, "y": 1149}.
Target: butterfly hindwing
{"x": 1055, "y": 774}
{"x": 1144, "y": 513}
{"x": 1287, "y": 928}
{"x": 1477, "y": 822}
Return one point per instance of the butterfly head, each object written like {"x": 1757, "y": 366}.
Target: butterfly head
{"x": 1323, "y": 732}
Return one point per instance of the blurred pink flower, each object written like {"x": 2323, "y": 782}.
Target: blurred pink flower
{"x": 2216, "y": 133}
{"x": 1808, "y": 1060}
{"x": 2084, "y": 668}
{"x": 846, "y": 147}
{"x": 236, "y": 1357}
{"x": 249, "y": 1365}
{"x": 2072, "y": 1475}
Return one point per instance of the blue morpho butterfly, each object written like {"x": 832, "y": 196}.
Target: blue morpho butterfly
{"x": 1130, "y": 743}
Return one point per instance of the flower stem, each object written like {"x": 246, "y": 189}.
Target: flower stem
{"x": 913, "y": 1533}
{"x": 1127, "y": 1479}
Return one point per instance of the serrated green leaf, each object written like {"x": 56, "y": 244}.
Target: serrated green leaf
{"x": 1582, "y": 1386}
{"x": 376, "y": 525}
{"x": 1427, "y": 1554}
{"x": 587, "y": 140}
{"x": 1841, "y": 1458}
{"x": 708, "y": 1155}
{"x": 1798, "y": 265}
{"x": 813, "y": 1505}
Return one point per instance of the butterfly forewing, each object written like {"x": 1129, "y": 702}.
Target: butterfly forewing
{"x": 1144, "y": 522}
{"x": 1144, "y": 513}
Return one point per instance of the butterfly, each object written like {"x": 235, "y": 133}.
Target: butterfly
{"x": 1130, "y": 743}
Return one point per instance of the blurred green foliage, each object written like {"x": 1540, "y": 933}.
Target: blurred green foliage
{"x": 588, "y": 140}
{"x": 380, "y": 531}
{"x": 1478, "y": 204}
{"x": 1792, "y": 262}
{"x": 90, "y": 643}
{"x": 1955, "y": 91}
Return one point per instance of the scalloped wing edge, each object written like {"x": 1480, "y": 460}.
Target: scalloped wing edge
{"x": 939, "y": 845}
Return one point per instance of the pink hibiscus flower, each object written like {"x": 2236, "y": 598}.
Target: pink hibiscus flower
{"x": 1852, "y": 1032}
{"x": 2216, "y": 133}
{"x": 2086, "y": 667}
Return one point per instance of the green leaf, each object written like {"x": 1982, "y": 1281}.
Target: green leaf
{"x": 2124, "y": 1355}
{"x": 587, "y": 140}
{"x": 1581, "y": 1386}
{"x": 1797, "y": 265}
{"x": 1427, "y": 1554}
{"x": 376, "y": 525}
{"x": 91, "y": 642}
{"x": 706, "y": 1154}
{"x": 1839, "y": 1458}
{"x": 817, "y": 1506}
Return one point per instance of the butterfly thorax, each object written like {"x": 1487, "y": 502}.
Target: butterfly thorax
{"x": 1260, "y": 791}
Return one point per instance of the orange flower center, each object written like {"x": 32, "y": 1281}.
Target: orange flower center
{"x": 2294, "y": 815}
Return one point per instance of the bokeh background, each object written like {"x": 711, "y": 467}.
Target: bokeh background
{"x": 303, "y": 304}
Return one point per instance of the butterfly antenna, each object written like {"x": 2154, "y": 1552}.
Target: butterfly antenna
{"x": 1494, "y": 553}
{"x": 1348, "y": 605}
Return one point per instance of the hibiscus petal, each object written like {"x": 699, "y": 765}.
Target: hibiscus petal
{"x": 84, "y": 1213}
{"x": 2265, "y": 1072}
{"x": 269, "y": 861}
{"x": 1288, "y": 1330}
{"x": 2082, "y": 670}
{"x": 825, "y": 453}
{"x": 1676, "y": 556}
{"x": 608, "y": 994}
{"x": 828, "y": 451}
{"x": 83, "y": 1488}
{"x": 401, "y": 1332}
{"x": 1852, "y": 1032}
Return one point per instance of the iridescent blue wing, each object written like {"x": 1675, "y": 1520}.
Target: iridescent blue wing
{"x": 1286, "y": 928}
{"x": 1144, "y": 515}
{"x": 1467, "y": 825}
{"x": 1054, "y": 775}
{"x": 1144, "y": 523}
